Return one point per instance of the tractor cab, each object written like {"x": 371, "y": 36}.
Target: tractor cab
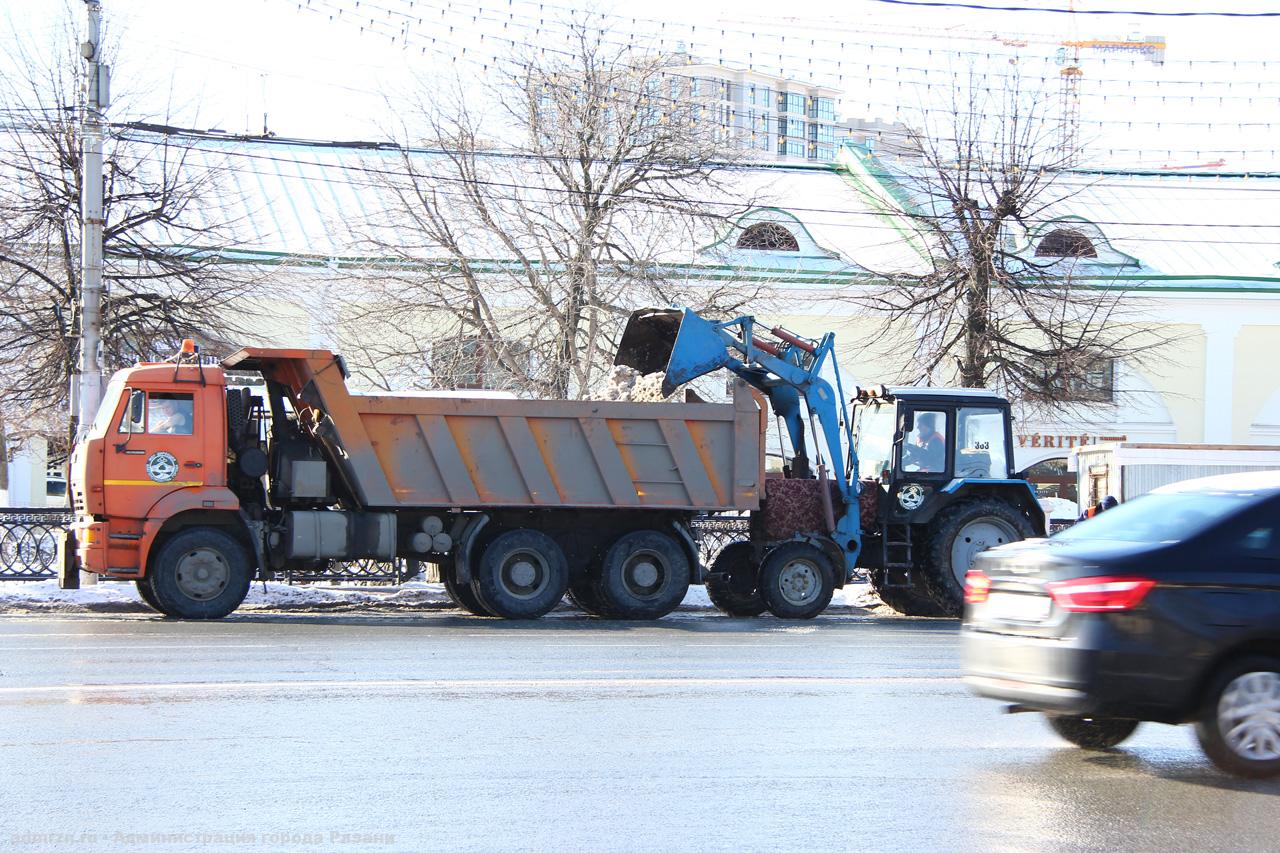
{"x": 931, "y": 436}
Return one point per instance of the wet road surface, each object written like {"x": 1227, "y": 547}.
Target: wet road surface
{"x": 443, "y": 732}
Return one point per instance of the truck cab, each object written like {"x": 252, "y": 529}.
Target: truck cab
{"x": 156, "y": 450}
{"x": 938, "y": 487}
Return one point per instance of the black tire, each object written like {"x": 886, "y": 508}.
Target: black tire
{"x": 148, "y": 595}
{"x": 796, "y": 581}
{"x": 907, "y": 600}
{"x": 200, "y": 573}
{"x": 1250, "y": 745}
{"x": 644, "y": 575}
{"x": 463, "y": 596}
{"x": 993, "y": 521}
{"x": 582, "y": 594}
{"x": 521, "y": 575}
{"x": 738, "y": 594}
{"x": 1096, "y": 733}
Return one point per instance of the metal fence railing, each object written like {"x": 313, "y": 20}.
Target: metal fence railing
{"x": 29, "y": 542}
{"x": 713, "y": 533}
{"x": 28, "y": 549}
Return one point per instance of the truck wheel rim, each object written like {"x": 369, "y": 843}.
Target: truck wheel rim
{"x": 202, "y": 574}
{"x": 643, "y": 574}
{"x": 1249, "y": 716}
{"x": 524, "y": 574}
{"x": 976, "y": 537}
{"x": 800, "y": 582}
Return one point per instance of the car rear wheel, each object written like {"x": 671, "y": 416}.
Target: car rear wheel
{"x": 731, "y": 584}
{"x": 1092, "y": 732}
{"x": 1239, "y": 728}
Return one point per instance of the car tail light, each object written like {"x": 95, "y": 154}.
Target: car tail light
{"x": 1100, "y": 595}
{"x": 977, "y": 587}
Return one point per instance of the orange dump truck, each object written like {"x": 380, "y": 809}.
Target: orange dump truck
{"x": 193, "y": 489}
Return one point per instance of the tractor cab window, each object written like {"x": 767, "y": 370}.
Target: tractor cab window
{"x": 924, "y": 450}
{"x": 873, "y": 439}
{"x": 980, "y": 445}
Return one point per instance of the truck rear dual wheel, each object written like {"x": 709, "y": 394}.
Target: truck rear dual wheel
{"x": 522, "y": 574}
{"x": 732, "y": 586}
{"x": 644, "y": 575}
{"x": 960, "y": 533}
{"x": 199, "y": 573}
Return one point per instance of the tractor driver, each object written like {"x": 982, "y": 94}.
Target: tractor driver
{"x": 926, "y": 451}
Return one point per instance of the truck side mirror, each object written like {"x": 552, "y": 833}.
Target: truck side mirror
{"x": 137, "y": 409}
{"x": 908, "y": 422}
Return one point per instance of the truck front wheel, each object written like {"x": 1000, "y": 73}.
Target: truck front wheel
{"x": 200, "y": 573}
{"x": 521, "y": 575}
{"x": 147, "y": 593}
{"x": 959, "y": 534}
{"x": 796, "y": 581}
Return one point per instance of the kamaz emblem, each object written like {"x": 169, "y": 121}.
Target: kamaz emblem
{"x": 162, "y": 467}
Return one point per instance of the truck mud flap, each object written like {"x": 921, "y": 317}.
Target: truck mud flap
{"x": 463, "y": 548}
{"x": 68, "y": 566}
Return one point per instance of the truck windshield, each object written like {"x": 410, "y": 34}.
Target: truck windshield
{"x": 1158, "y": 517}
{"x": 107, "y": 408}
{"x": 873, "y": 440}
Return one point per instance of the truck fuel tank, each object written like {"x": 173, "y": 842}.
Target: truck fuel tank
{"x": 336, "y": 535}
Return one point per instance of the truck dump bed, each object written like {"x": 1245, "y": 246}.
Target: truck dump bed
{"x": 401, "y": 452}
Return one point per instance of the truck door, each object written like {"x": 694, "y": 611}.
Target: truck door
{"x": 153, "y": 450}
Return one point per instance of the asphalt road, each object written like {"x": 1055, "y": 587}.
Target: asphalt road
{"x": 451, "y": 733}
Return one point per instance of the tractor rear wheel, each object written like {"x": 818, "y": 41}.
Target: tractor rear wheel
{"x": 907, "y": 600}
{"x": 957, "y": 535}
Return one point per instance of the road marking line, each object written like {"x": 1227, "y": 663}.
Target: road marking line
{"x": 179, "y": 686}
{"x": 95, "y": 647}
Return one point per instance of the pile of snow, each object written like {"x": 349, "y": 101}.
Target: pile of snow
{"x": 629, "y": 385}
{"x": 122, "y": 597}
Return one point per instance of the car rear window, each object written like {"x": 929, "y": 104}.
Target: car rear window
{"x": 1159, "y": 517}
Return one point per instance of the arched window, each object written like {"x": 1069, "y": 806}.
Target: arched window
{"x": 1065, "y": 243}
{"x": 769, "y": 237}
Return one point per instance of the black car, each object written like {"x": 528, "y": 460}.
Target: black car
{"x": 1164, "y": 609}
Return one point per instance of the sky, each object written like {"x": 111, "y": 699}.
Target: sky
{"x": 337, "y": 69}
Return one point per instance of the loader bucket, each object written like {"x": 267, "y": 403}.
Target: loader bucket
{"x": 680, "y": 344}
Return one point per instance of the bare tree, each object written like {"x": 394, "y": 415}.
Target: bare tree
{"x": 528, "y": 257}
{"x": 167, "y": 223}
{"x": 987, "y": 311}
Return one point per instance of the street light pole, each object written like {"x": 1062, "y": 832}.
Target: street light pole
{"x": 86, "y": 385}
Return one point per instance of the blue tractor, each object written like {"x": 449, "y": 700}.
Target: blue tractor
{"x": 905, "y": 485}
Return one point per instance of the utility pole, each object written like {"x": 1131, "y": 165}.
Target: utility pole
{"x": 86, "y": 385}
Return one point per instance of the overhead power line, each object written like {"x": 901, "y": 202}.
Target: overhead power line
{"x": 1126, "y": 12}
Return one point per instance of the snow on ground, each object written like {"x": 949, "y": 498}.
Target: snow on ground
{"x": 122, "y": 597}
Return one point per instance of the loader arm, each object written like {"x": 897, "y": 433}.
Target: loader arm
{"x": 786, "y": 369}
